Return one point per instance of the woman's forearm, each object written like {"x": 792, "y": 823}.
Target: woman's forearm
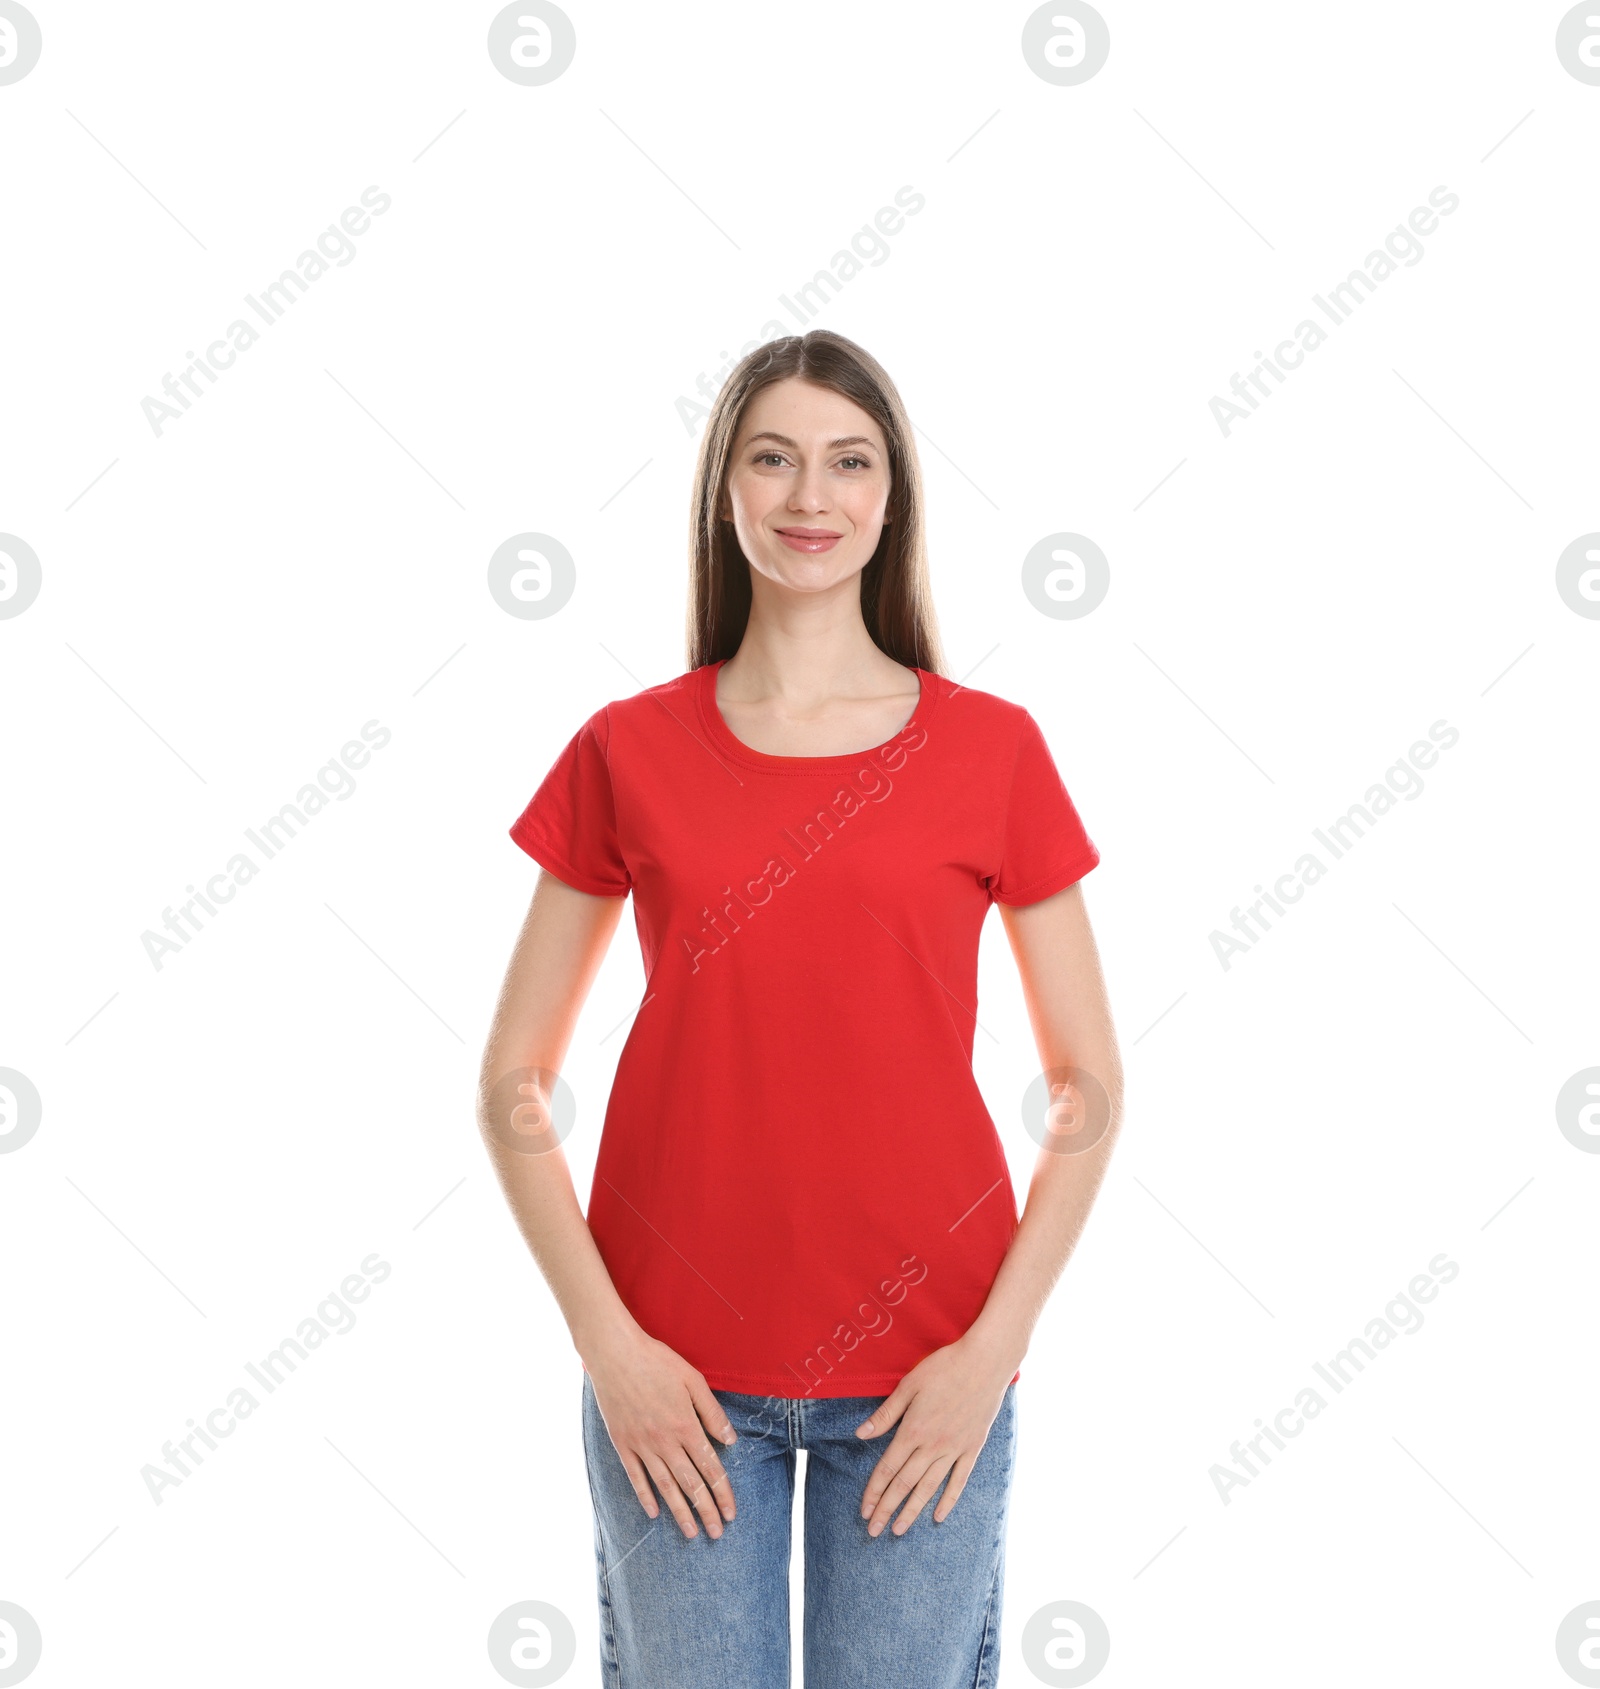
{"x": 1070, "y": 1014}
{"x": 1060, "y": 1197}
{"x": 553, "y": 965}
{"x": 540, "y": 1193}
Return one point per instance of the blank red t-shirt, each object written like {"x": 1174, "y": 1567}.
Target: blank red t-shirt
{"x": 798, "y": 1186}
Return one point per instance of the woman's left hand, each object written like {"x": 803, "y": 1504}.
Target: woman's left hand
{"x": 944, "y": 1406}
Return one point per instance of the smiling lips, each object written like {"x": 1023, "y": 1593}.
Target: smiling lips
{"x": 809, "y": 539}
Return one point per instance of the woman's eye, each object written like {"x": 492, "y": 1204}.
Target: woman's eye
{"x": 776, "y": 459}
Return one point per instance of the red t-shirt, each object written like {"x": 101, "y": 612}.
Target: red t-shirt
{"x": 798, "y": 1187}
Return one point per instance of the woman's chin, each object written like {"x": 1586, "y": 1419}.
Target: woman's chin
{"x": 809, "y": 574}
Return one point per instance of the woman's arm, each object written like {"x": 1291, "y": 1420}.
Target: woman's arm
{"x": 1071, "y": 1018}
{"x": 652, "y": 1400}
{"x": 950, "y": 1399}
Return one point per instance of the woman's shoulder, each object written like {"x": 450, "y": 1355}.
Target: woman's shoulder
{"x": 976, "y": 710}
{"x": 649, "y": 709}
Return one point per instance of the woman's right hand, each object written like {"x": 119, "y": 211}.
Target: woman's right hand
{"x": 660, "y": 1414}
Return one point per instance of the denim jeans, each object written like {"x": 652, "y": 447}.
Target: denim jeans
{"x": 919, "y": 1611}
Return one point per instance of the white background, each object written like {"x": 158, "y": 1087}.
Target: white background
{"x": 227, "y": 1137}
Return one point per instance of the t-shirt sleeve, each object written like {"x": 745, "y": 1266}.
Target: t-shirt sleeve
{"x": 570, "y": 823}
{"x": 1044, "y": 847}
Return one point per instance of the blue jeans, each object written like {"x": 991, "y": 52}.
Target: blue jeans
{"x": 919, "y": 1611}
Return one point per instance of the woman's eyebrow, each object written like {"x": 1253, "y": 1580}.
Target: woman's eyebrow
{"x": 784, "y": 440}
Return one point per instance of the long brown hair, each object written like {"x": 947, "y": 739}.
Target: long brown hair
{"x": 896, "y": 597}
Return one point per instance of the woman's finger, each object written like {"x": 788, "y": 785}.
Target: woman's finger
{"x": 711, "y": 1469}
{"x": 883, "y": 1474}
{"x": 927, "y": 1488}
{"x": 952, "y": 1490}
{"x": 900, "y": 1486}
{"x": 713, "y": 1416}
{"x": 884, "y": 1415}
{"x": 640, "y": 1479}
{"x": 699, "y": 1488}
{"x": 670, "y": 1493}
{"x": 712, "y": 1413}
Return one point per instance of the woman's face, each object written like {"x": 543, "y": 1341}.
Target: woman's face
{"x": 808, "y": 486}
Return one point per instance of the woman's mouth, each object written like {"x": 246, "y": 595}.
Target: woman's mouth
{"x": 809, "y": 539}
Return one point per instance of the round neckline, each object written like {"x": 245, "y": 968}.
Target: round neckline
{"x": 719, "y": 730}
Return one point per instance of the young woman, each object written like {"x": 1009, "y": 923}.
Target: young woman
{"x": 801, "y": 1232}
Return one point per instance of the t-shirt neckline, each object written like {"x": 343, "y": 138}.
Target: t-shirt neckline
{"x": 717, "y": 727}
